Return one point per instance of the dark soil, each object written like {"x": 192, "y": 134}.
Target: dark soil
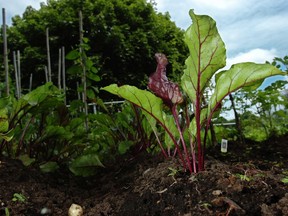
{"x": 244, "y": 181}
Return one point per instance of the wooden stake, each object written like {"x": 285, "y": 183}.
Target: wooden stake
{"x": 48, "y": 55}
{"x": 84, "y": 98}
{"x": 5, "y": 53}
{"x": 59, "y": 69}
{"x": 19, "y": 72}
{"x": 30, "y": 82}
{"x": 16, "y": 75}
{"x": 46, "y": 74}
{"x": 64, "y": 74}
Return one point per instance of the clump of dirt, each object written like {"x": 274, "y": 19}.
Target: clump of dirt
{"x": 242, "y": 182}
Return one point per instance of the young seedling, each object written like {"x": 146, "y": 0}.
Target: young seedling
{"x": 244, "y": 177}
{"x": 7, "y": 212}
{"x": 285, "y": 179}
{"x": 186, "y": 136}
{"x": 173, "y": 172}
{"x": 18, "y": 197}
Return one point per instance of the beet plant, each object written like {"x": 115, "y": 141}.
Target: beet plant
{"x": 187, "y": 135}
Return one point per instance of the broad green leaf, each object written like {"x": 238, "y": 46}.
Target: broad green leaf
{"x": 4, "y": 102}
{"x": 207, "y": 54}
{"x": 8, "y": 136}
{"x": 152, "y": 106}
{"x": 26, "y": 160}
{"x": 94, "y": 70}
{"x": 169, "y": 121}
{"x": 50, "y": 166}
{"x": 93, "y": 77}
{"x": 251, "y": 87}
{"x": 148, "y": 126}
{"x": 85, "y": 165}
{"x": 238, "y": 76}
{"x": 18, "y": 105}
{"x": 142, "y": 98}
{"x": 90, "y": 93}
{"x": 192, "y": 126}
{"x": 72, "y": 55}
{"x": 56, "y": 132}
{"x": 75, "y": 70}
{"x": 89, "y": 64}
{"x": 38, "y": 95}
{"x": 124, "y": 146}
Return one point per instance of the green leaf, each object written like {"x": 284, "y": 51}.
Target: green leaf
{"x": 89, "y": 64}
{"x": 26, "y": 160}
{"x": 94, "y": 70}
{"x": 100, "y": 103}
{"x": 85, "y": 165}
{"x": 207, "y": 54}
{"x": 93, "y": 77}
{"x": 8, "y": 136}
{"x": 85, "y": 39}
{"x": 19, "y": 197}
{"x": 50, "y": 166}
{"x": 75, "y": 70}
{"x": 124, "y": 146}
{"x": 4, "y": 102}
{"x": 72, "y": 55}
{"x": 170, "y": 122}
{"x": 90, "y": 94}
{"x": 4, "y": 123}
{"x": 38, "y": 95}
{"x": 238, "y": 76}
{"x": 285, "y": 180}
{"x": 56, "y": 132}
{"x": 7, "y": 212}
{"x": 192, "y": 126}
{"x": 142, "y": 98}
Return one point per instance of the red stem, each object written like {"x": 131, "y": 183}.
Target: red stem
{"x": 176, "y": 118}
{"x": 192, "y": 147}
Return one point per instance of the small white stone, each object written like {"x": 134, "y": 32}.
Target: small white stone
{"x": 217, "y": 192}
{"x": 45, "y": 211}
{"x": 75, "y": 210}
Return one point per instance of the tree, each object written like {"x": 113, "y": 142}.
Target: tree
{"x": 123, "y": 36}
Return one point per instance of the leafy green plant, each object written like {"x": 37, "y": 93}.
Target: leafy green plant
{"x": 112, "y": 135}
{"x": 18, "y": 115}
{"x": 83, "y": 62}
{"x": 243, "y": 177}
{"x": 207, "y": 56}
{"x": 173, "y": 172}
{"x": 40, "y": 129}
{"x": 18, "y": 197}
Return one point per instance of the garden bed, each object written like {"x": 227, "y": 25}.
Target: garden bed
{"x": 245, "y": 181}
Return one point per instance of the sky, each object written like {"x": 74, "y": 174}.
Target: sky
{"x": 252, "y": 30}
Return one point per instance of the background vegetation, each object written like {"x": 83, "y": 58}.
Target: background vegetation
{"x": 123, "y": 36}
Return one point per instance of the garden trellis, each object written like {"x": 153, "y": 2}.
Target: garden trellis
{"x": 61, "y": 78}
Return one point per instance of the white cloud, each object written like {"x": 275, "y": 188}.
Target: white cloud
{"x": 255, "y": 55}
